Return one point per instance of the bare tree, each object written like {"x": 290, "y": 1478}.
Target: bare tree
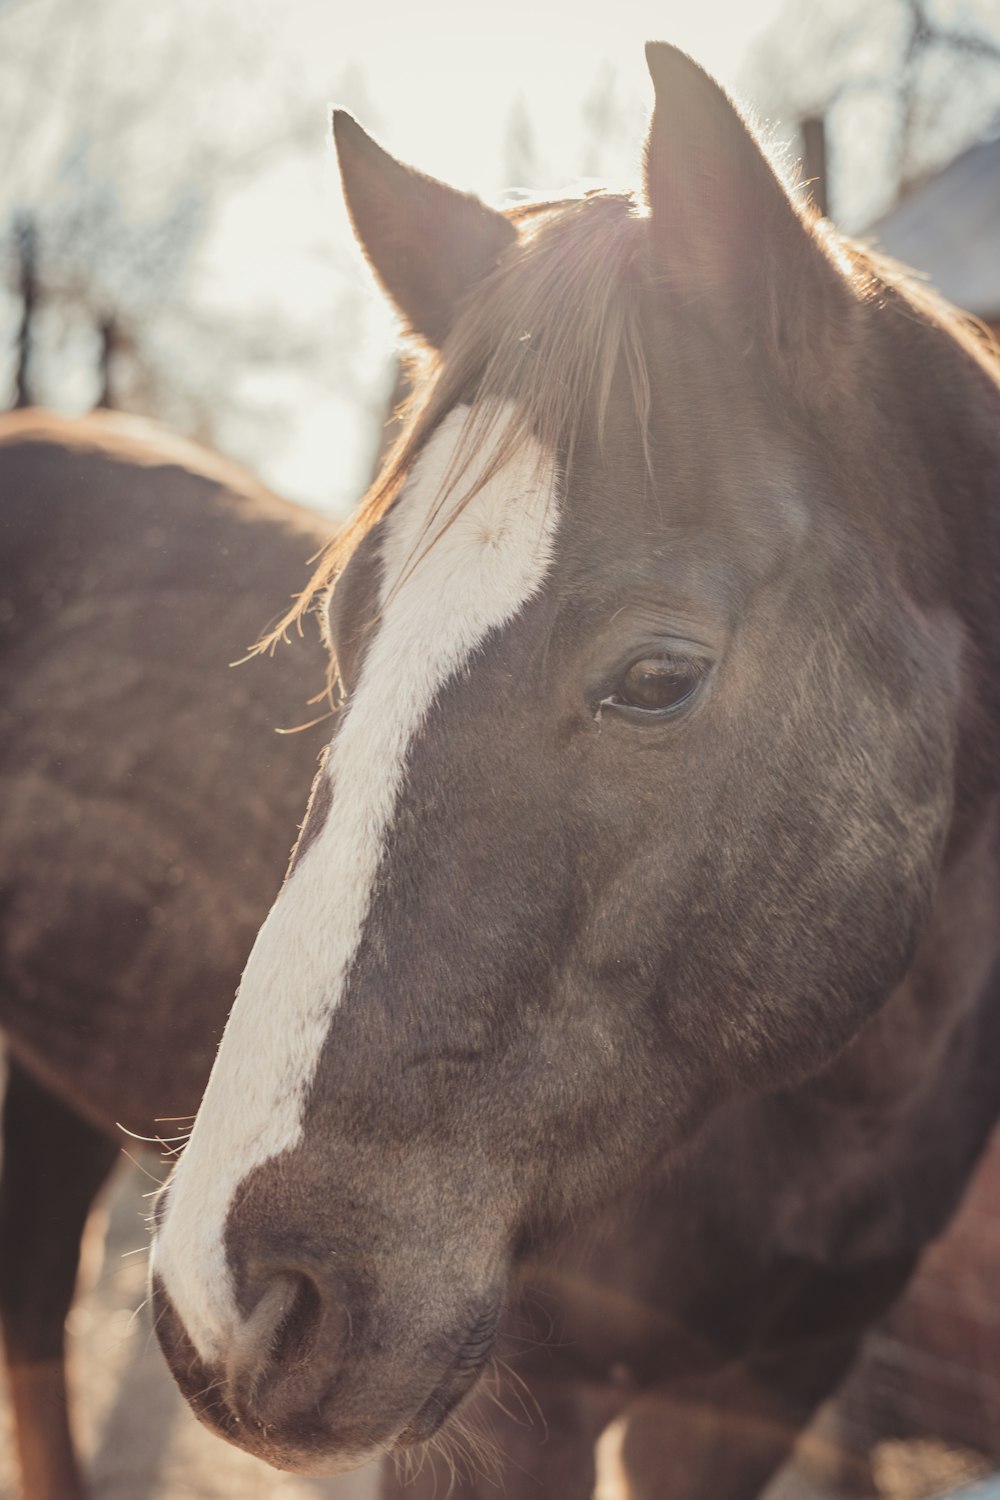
{"x": 520, "y": 157}
{"x": 612, "y": 120}
{"x": 26, "y": 260}
{"x": 903, "y": 85}
{"x": 120, "y": 139}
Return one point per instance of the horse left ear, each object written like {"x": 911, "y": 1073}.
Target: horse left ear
{"x": 428, "y": 244}
{"x": 721, "y": 220}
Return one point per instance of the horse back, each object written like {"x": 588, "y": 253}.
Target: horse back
{"x": 147, "y": 800}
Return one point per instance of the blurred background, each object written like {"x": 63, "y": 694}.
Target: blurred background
{"x": 172, "y": 240}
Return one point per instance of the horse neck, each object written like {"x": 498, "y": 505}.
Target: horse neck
{"x": 906, "y": 1044}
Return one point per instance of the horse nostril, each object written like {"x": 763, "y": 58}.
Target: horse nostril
{"x": 288, "y": 1350}
{"x": 299, "y": 1321}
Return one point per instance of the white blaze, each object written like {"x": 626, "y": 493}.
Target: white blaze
{"x": 442, "y": 592}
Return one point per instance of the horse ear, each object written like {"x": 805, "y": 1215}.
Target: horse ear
{"x": 428, "y": 244}
{"x": 717, "y": 208}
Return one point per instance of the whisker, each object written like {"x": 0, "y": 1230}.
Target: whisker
{"x": 523, "y": 1390}
{"x": 143, "y": 1304}
{"x": 152, "y": 1329}
{"x": 136, "y": 1163}
{"x": 150, "y": 1140}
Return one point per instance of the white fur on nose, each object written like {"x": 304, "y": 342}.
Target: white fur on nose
{"x": 442, "y": 593}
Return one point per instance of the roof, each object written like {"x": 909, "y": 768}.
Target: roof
{"x": 949, "y": 228}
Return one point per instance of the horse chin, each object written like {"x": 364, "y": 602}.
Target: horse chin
{"x": 317, "y": 1461}
{"x": 308, "y": 1463}
{"x": 319, "y": 1457}
{"x": 315, "y": 1466}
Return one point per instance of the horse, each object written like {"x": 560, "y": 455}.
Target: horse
{"x": 628, "y": 1020}
{"x": 135, "y": 568}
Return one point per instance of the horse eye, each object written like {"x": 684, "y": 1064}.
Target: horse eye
{"x": 658, "y": 683}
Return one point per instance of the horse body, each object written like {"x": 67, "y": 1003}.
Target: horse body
{"x": 134, "y": 569}
{"x": 641, "y": 949}
{"x": 128, "y": 579}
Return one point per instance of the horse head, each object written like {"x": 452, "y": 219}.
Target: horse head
{"x": 638, "y": 791}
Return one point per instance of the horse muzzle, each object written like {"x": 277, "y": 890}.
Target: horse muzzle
{"x": 296, "y": 1386}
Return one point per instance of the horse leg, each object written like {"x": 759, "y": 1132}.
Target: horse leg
{"x": 53, "y": 1165}
{"x": 521, "y": 1441}
{"x": 725, "y": 1438}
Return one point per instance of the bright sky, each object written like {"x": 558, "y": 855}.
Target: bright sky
{"x": 444, "y": 74}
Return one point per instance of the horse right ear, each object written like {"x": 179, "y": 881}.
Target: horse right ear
{"x": 428, "y": 244}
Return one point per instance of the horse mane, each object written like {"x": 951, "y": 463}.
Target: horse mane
{"x": 544, "y": 337}
{"x": 880, "y": 273}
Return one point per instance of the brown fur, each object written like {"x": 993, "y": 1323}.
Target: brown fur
{"x": 671, "y": 1039}
{"x": 133, "y": 872}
